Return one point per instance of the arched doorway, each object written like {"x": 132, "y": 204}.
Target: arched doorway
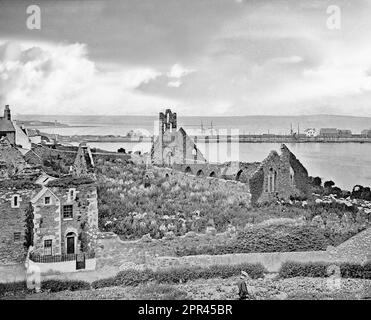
{"x": 188, "y": 170}
{"x": 200, "y": 173}
{"x": 212, "y": 174}
{"x": 71, "y": 243}
{"x": 238, "y": 175}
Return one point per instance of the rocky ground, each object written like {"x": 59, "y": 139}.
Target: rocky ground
{"x": 224, "y": 289}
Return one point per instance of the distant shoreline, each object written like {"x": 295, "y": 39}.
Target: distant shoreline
{"x": 211, "y": 139}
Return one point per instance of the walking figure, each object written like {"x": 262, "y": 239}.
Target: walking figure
{"x": 245, "y": 291}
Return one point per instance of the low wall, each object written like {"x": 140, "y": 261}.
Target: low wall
{"x": 12, "y": 273}
{"x": 62, "y": 267}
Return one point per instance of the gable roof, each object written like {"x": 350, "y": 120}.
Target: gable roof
{"x": 41, "y": 193}
{"x": 6, "y": 125}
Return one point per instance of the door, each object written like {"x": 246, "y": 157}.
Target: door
{"x": 70, "y": 245}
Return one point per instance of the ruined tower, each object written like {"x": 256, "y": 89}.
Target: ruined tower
{"x": 7, "y": 114}
{"x": 167, "y": 123}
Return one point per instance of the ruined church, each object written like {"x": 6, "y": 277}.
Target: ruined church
{"x": 173, "y": 145}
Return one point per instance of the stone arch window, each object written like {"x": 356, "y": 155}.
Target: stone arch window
{"x": 272, "y": 179}
{"x": 194, "y": 153}
{"x": 188, "y": 170}
{"x": 292, "y": 176}
{"x": 212, "y": 174}
{"x": 200, "y": 173}
{"x": 238, "y": 175}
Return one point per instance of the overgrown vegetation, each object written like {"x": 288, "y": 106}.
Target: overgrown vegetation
{"x": 273, "y": 238}
{"x": 18, "y": 184}
{"x": 13, "y": 288}
{"x": 29, "y": 227}
{"x": 131, "y": 210}
{"x": 69, "y": 181}
{"x": 347, "y": 270}
{"x": 179, "y": 275}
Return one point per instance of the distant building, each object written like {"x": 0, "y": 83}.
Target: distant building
{"x": 173, "y": 146}
{"x": 344, "y": 133}
{"x": 329, "y": 132}
{"x": 366, "y": 133}
{"x": 335, "y": 133}
{"x": 310, "y": 132}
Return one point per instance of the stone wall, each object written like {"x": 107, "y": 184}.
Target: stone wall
{"x": 230, "y": 188}
{"x": 12, "y": 220}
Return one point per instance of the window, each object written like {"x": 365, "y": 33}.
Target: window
{"x": 272, "y": 178}
{"x": 47, "y": 200}
{"x": 17, "y": 236}
{"x": 72, "y": 194}
{"x": 48, "y": 247}
{"x": 68, "y": 212}
{"x": 15, "y": 201}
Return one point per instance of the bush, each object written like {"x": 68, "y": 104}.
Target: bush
{"x": 12, "y": 287}
{"x": 296, "y": 269}
{"x": 269, "y": 237}
{"x": 135, "y": 277}
{"x": 59, "y": 285}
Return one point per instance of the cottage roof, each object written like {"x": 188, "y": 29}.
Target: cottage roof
{"x": 41, "y": 193}
{"x": 6, "y": 125}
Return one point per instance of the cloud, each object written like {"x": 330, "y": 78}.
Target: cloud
{"x": 61, "y": 79}
{"x": 178, "y": 71}
{"x": 174, "y": 84}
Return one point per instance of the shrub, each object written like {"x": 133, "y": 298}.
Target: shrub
{"x": 318, "y": 269}
{"x": 349, "y": 270}
{"x": 295, "y": 269}
{"x": 60, "y": 285}
{"x": 12, "y": 287}
{"x": 135, "y": 277}
{"x": 269, "y": 237}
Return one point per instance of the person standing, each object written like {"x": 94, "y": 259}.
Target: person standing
{"x": 245, "y": 291}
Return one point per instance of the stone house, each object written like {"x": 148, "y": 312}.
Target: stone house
{"x": 64, "y": 215}
{"x": 65, "y": 218}
{"x": 6, "y": 126}
{"x": 173, "y": 146}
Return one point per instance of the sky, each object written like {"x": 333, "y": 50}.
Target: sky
{"x": 198, "y": 57}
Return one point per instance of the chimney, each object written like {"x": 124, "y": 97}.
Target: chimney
{"x": 7, "y": 114}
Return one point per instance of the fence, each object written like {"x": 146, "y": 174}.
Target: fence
{"x": 61, "y": 257}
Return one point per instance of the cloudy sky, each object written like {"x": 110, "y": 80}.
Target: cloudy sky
{"x": 200, "y": 57}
